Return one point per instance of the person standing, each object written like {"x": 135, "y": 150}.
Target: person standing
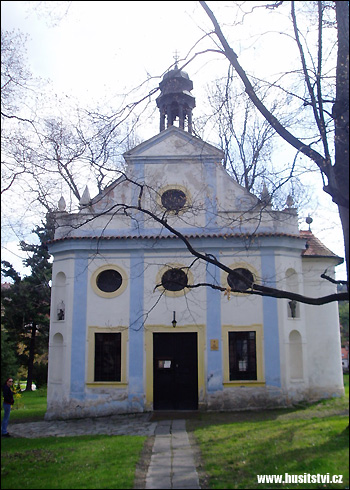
{"x": 8, "y": 402}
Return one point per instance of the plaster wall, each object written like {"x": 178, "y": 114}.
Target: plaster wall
{"x": 120, "y": 193}
{"x": 173, "y": 143}
{"x": 160, "y": 304}
{"x": 236, "y": 308}
{"x": 104, "y": 311}
{"x": 60, "y": 336}
{"x": 85, "y": 224}
{"x": 323, "y": 334}
{"x": 289, "y": 277}
{"x": 219, "y": 206}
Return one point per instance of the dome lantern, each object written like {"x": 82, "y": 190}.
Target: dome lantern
{"x": 175, "y": 101}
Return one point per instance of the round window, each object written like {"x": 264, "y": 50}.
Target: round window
{"x": 109, "y": 281}
{"x": 174, "y": 199}
{"x": 174, "y": 280}
{"x": 240, "y": 279}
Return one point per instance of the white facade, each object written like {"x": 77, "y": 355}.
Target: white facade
{"x": 291, "y": 357}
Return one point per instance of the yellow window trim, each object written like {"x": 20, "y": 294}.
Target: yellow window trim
{"x": 91, "y": 355}
{"x": 174, "y": 294}
{"x": 179, "y": 188}
{"x": 238, "y": 265}
{"x": 259, "y": 337}
{"x": 113, "y": 294}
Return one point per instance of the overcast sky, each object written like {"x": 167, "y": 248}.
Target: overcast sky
{"x": 100, "y": 47}
{"x": 97, "y": 46}
{"x": 91, "y": 48}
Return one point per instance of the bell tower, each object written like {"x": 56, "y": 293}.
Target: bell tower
{"x": 175, "y": 101}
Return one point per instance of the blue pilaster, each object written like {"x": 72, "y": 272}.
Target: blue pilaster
{"x": 137, "y": 223}
{"x": 210, "y": 201}
{"x": 136, "y": 331}
{"x": 214, "y": 357}
{"x": 78, "y": 353}
{"x": 270, "y": 315}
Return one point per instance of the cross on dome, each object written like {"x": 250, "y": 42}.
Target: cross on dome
{"x": 176, "y": 58}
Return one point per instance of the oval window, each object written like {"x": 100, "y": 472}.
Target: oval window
{"x": 240, "y": 279}
{"x": 109, "y": 281}
{"x": 174, "y": 280}
{"x": 173, "y": 199}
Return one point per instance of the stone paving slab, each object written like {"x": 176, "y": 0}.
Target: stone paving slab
{"x": 138, "y": 425}
{"x": 172, "y": 462}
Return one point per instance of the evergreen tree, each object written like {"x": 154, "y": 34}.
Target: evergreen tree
{"x": 26, "y": 304}
{"x": 9, "y": 360}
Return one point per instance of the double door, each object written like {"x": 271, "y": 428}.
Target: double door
{"x": 175, "y": 371}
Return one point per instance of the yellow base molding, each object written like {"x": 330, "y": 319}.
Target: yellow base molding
{"x": 106, "y": 384}
{"x": 244, "y": 384}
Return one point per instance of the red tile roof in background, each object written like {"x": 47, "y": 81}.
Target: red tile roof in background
{"x": 315, "y": 248}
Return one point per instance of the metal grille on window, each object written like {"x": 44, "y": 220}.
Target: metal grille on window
{"x": 109, "y": 281}
{"x": 240, "y": 279}
{"x": 107, "y": 357}
{"x": 242, "y": 356}
{"x": 173, "y": 199}
{"x": 174, "y": 280}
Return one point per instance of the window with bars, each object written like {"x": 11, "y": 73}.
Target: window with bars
{"x": 242, "y": 356}
{"x": 240, "y": 279}
{"x": 107, "y": 357}
{"x": 109, "y": 281}
{"x": 174, "y": 280}
{"x": 173, "y": 200}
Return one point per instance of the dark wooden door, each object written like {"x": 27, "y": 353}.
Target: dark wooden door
{"x": 175, "y": 371}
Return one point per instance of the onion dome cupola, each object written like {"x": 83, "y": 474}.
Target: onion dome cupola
{"x": 175, "y": 101}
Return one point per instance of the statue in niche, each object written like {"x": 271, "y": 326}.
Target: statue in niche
{"x": 293, "y": 308}
{"x": 60, "y": 311}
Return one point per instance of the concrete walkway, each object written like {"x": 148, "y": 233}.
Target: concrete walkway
{"x": 172, "y": 462}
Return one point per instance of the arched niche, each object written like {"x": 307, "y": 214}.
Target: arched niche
{"x": 60, "y": 279}
{"x": 56, "y": 358}
{"x": 296, "y": 355}
{"x": 60, "y": 296}
{"x": 292, "y": 285}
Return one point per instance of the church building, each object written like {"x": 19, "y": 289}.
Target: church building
{"x": 135, "y": 322}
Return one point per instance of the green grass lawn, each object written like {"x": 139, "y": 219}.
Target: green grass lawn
{"x": 70, "y": 462}
{"x": 235, "y": 447}
{"x": 310, "y": 439}
{"x": 30, "y": 405}
{"x": 65, "y": 462}
{"x": 346, "y": 384}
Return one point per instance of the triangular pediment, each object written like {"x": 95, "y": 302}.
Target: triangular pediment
{"x": 175, "y": 161}
{"x": 173, "y": 143}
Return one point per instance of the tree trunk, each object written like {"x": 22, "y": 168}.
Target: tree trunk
{"x": 31, "y": 358}
{"x": 344, "y": 218}
{"x": 340, "y": 113}
{"x": 338, "y": 174}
